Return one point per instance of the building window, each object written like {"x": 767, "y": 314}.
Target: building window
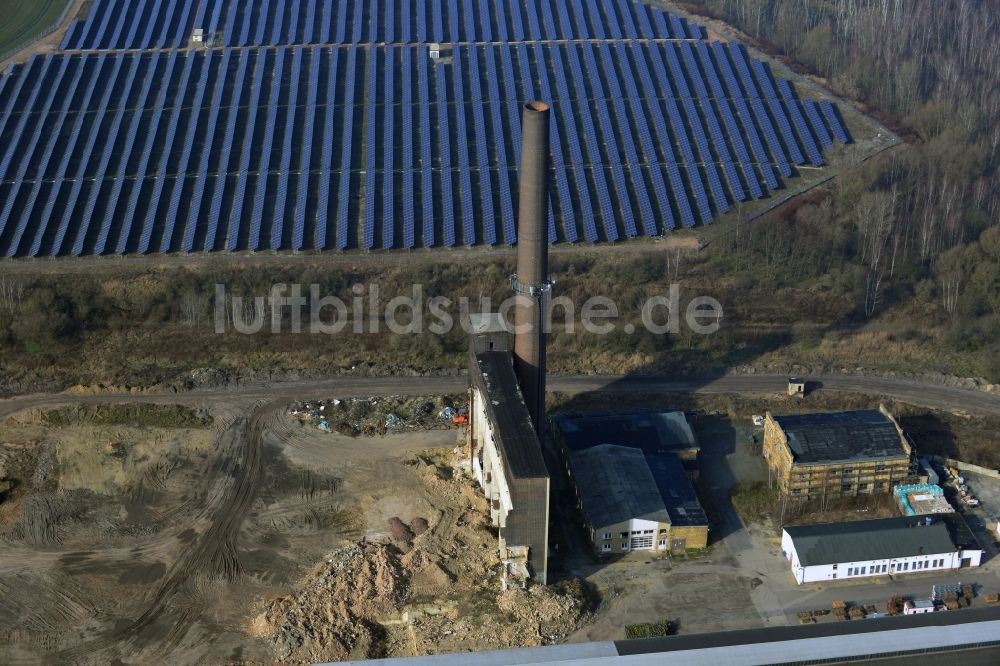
{"x": 606, "y": 546}
{"x": 834, "y": 574}
{"x": 885, "y": 567}
{"x": 845, "y": 486}
{"x": 663, "y": 530}
{"x": 906, "y": 566}
{"x": 835, "y": 567}
{"x": 850, "y": 571}
{"x": 607, "y": 536}
{"x": 624, "y": 535}
{"x": 647, "y": 531}
{"x": 796, "y": 491}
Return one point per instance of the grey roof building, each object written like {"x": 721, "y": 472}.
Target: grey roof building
{"x": 863, "y": 540}
{"x": 615, "y": 485}
{"x": 883, "y": 546}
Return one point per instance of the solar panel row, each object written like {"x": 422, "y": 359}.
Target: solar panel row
{"x": 256, "y": 149}
{"x": 146, "y": 24}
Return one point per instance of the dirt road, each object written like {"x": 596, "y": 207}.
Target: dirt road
{"x": 923, "y": 394}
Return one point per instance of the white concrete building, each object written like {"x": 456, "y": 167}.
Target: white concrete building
{"x": 881, "y": 547}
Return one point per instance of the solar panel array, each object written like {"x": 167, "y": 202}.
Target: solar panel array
{"x": 148, "y": 24}
{"x": 312, "y": 139}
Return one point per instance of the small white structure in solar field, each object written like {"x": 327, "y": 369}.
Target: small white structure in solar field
{"x": 435, "y": 50}
{"x": 198, "y": 36}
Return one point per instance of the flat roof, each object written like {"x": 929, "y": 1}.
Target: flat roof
{"x": 841, "y": 436}
{"x": 616, "y": 485}
{"x": 905, "y": 638}
{"x": 879, "y": 539}
{"x": 516, "y": 438}
{"x": 653, "y": 432}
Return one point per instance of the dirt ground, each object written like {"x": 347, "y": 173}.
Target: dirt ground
{"x": 257, "y": 539}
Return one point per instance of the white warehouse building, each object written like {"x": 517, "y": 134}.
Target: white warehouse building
{"x": 880, "y": 547}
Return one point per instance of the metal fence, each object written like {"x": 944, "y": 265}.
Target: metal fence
{"x": 40, "y": 35}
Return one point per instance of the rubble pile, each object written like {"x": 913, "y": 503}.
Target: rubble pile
{"x": 334, "y": 617}
{"x": 430, "y": 586}
{"x": 378, "y": 415}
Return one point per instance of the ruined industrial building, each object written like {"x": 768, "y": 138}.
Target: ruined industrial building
{"x": 508, "y": 390}
{"x": 839, "y": 454}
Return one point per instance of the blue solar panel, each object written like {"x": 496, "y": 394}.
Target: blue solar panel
{"x": 243, "y": 172}
{"x": 421, "y": 21}
{"x": 595, "y": 20}
{"x": 69, "y": 151}
{"x": 274, "y": 103}
{"x": 482, "y": 148}
{"x": 103, "y": 164}
{"x": 764, "y": 78}
{"x": 285, "y": 166}
{"x": 608, "y": 131}
{"x": 694, "y": 122}
{"x": 681, "y": 135}
{"x": 749, "y": 129}
{"x": 130, "y": 138}
{"x": 50, "y": 146}
{"x": 665, "y": 140}
{"x": 817, "y": 124}
{"x": 732, "y": 129}
{"x": 371, "y": 159}
{"x": 426, "y": 153}
{"x": 406, "y": 108}
{"x": 305, "y": 157}
{"x": 343, "y": 202}
{"x": 173, "y": 208}
{"x": 640, "y": 12}
{"x": 198, "y": 193}
{"x": 576, "y": 153}
{"x": 388, "y": 154}
{"x": 438, "y": 19}
{"x": 181, "y": 24}
{"x": 404, "y": 20}
{"x": 95, "y": 132}
{"x": 75, "y": 71}
{"x": 168, "y": 144}
{"x": 69, "y": 38}
{"x": 499, "y": 140}
{"x": 830, "y": 113}
{"x": 507, "y": 82}
{"x": 645, "y": 140}
{"x": 163, "y": 39}
{"x": 714, "y": 128}
{"x": 628, "y": 23}
{"x": 444, "y": 133}
{"x": 800, "y": 123}
{"x": 534, "y": 24}
{"x": 292, "y": 31}
{"x": 309, "y": 27}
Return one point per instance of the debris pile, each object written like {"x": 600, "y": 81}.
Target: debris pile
{"x": 334, "y": 617}
{"x": 378, "y": 415}
{"x": 431, "y": 585}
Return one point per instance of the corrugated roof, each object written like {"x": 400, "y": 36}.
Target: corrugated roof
{"x": 518, "y": 443}
{"x": 864, "y": 540}
{"x": 841, "y": 436}
{"x": 616, "y": 485}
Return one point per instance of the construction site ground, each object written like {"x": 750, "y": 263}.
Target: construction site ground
{"x": 237, "y": 533}
{"x": 255, "y": 539}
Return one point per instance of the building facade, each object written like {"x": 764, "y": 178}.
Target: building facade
{"x": 880, "y": 547}
{"x": 840, "y": 454}
{"x": 506, "y": 458}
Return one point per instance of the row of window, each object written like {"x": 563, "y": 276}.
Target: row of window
{"x": 884, "y": 568}
{"x": 641, "y": 542}
{"x": 625, "y": 535}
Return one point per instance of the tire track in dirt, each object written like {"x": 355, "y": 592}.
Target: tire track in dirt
{"x": 213, "y": 553}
